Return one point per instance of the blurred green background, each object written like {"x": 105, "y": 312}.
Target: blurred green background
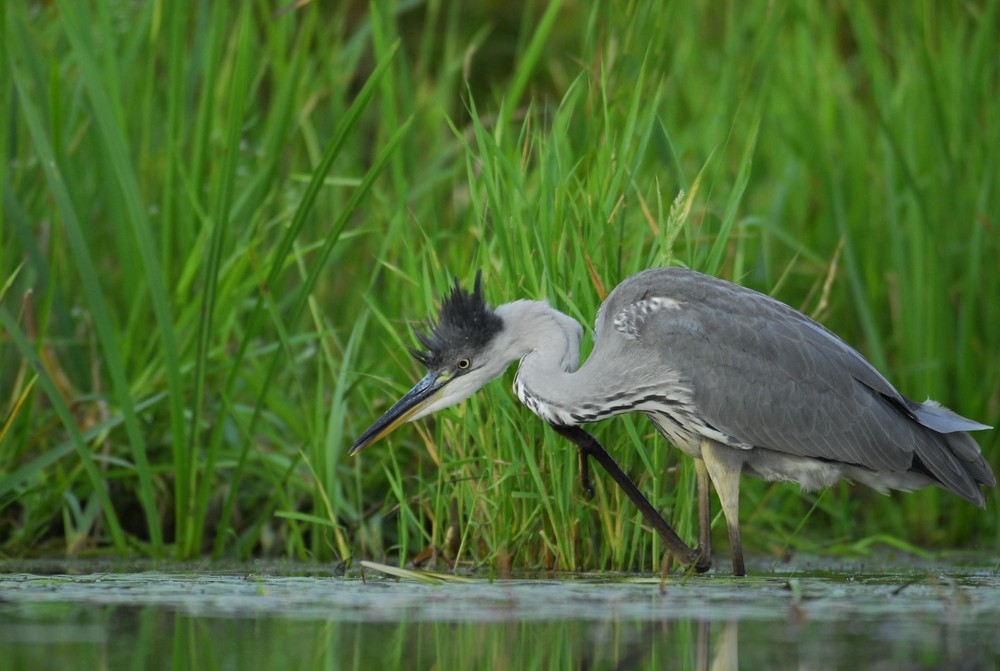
{"x": 220, "y": 221}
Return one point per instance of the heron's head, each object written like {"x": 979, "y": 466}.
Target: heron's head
{"x": 460, "y": 355}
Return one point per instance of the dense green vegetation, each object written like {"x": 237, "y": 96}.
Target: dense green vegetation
{"x": 219, "y": 222}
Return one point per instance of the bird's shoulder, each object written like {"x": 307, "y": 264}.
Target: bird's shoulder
{"x": 694, "y": 319}
{"x": 661, "y": 302}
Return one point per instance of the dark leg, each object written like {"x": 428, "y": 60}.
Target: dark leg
{"x": 590, "y": 447}
{"x": 588, "y": 487}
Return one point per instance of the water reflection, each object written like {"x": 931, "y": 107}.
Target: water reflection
{"x": 153, "y": 638}
{"x": 159, "y": 621}
{"x": 150, "y": 638}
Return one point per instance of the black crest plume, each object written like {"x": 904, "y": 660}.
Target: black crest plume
{"x": 465, "y": 323}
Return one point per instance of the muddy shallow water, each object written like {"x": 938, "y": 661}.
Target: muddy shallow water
{"x": 804, "y": 616}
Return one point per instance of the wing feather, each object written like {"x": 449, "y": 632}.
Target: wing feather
{"x": 770, "y": 377}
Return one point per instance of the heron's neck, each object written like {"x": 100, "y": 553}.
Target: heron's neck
{"x": 542, "y": 336}
{"x": 548, "y": 344}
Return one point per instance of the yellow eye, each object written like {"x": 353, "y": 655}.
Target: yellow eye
{"x": 463, "y": 364}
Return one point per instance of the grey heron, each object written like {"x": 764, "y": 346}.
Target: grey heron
{"x": 737, "y": 380}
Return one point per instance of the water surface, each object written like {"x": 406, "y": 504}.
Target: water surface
{"x": 807, "y": 616}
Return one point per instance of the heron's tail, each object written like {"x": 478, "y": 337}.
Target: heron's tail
{"x": 950, "y": 455}
{"x": 935, "y": 416}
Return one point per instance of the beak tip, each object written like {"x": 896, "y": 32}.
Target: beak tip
{"x": 418, "y": 398}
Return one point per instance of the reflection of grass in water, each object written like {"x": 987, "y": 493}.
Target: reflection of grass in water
{"x": 221, "y": 289}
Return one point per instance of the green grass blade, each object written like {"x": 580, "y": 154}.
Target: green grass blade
{"x": 107, "y": 336}
{"x": 106, "y": 119}
{"x": 303, "y": 295}
{"x": 528, "y": 63}
{"x": 220, "y": 222}
{"x": 724, "y": 236}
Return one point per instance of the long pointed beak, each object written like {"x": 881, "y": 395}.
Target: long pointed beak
{"x": 422, "y": 395}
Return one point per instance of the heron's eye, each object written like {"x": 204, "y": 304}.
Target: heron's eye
{"x": 463, "y": 364}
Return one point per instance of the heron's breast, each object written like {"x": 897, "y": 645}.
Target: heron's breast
{"x": 680, "y": 435}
